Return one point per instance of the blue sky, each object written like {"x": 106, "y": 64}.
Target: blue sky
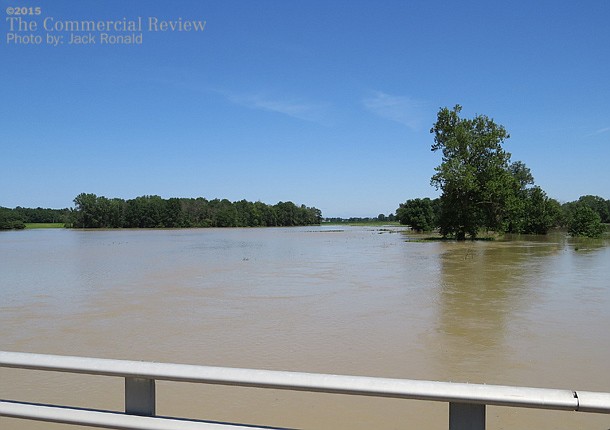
{"x": 324, "y": 103}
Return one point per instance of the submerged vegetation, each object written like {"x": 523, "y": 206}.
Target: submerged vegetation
{"x": 578, "y": 218}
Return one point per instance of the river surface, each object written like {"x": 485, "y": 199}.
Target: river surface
{"x": 532, "y": 311}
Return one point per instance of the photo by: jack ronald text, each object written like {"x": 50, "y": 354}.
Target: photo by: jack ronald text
{"x": 26, "y": 30}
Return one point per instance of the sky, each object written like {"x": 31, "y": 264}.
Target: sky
{"x": 322, "y": 103}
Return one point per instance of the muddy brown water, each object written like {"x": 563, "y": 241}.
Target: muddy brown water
{"x": 530, "y": 311}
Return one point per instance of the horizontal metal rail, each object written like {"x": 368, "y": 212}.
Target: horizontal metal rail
{"x": 462, "y": 397}
{"x": 107, "y": 419}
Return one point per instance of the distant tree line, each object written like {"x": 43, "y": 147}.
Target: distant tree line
{"x": 17, "y": 218}
{"x": 361, "y": 220}
{"x": 92, "y": 211}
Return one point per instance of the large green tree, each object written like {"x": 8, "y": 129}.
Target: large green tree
{"x": 474, "y": 176}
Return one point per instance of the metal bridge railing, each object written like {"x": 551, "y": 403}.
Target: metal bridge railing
{"x": 467, "y": 402}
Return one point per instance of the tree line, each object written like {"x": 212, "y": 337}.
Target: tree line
{"x": 583, "y": 217}
{"x": 92, "y": 211}
{"x": 482, "y": 190}
{"x": 17, "y": 218}
{"x": 361, "y": 220}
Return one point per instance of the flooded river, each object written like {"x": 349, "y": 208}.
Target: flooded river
{"x": 348, "y": 300}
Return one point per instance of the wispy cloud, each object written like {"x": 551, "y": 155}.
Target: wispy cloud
{"x": 262, "y": 100}
{"x": 600, "y": 131}
{"x": 307, "y": 111}
{"x": 401, "y": 109}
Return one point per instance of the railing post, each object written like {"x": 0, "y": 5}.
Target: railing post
{"x": 466, "y": 416}
{"x": 140, "y": 396}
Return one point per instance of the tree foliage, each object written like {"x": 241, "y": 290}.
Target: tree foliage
{"x": 362, "y": 220}
{"x": 92, "y": 211}
{"x": 541, "y": 212}
{"x": 582, "y": 220}
{"x": 531, "y": 211}
{"x": 17, "y": 218}
{"x": 419, "y": 214}
{"x": 43, "y": 215}
{"x": 598, "y": 205}
{"x": 475, "y": 176}
{"x": 10, "y": 219}
{"x": 481, "y": 188}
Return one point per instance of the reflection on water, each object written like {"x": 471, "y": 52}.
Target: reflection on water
{"x": 484, "y": 286}
{"x": 532, "y": 311}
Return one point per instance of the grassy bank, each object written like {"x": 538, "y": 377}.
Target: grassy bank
{"x": 29, "y": 225}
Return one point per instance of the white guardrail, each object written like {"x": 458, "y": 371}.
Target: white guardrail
{"x": 467, "y": 402}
